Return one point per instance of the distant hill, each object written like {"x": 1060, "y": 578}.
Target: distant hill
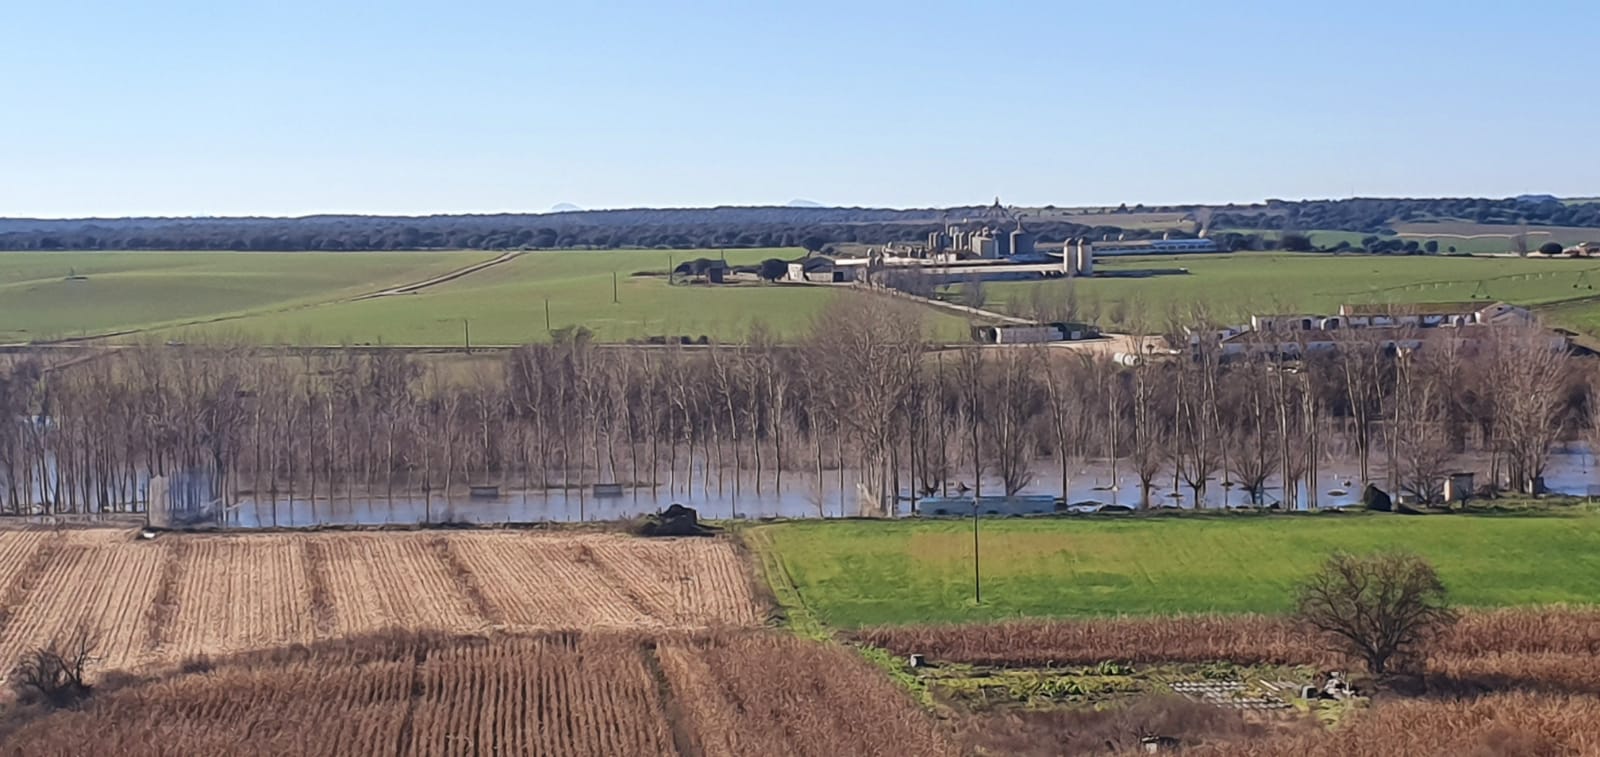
{"x": 800, "y": 223}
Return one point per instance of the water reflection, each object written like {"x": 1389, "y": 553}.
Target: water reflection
{"x": 801, "y": 495}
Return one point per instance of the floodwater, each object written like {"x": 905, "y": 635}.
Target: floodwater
{"x": 1570, "y": 472}
{"x": 800, "y": 496}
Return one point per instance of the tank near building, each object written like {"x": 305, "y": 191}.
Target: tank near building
{"x": 1077, "y": 257}
{"x": 983, "y": 245}
{"x": 1021, "y": 240}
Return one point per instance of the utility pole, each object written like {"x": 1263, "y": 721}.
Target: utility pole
{"x": 977, "y": 584}
{"x": 466, "y": 333}
{"x": 547, "y": 314}
{"x": 614, "y": 299}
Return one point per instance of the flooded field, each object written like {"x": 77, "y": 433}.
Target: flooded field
{"x": 725, "y": 495}
{"x": 1570, "y": 472}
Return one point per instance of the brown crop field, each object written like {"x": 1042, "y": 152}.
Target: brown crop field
{"x": 600, "y": 693}
{"x": 184, "y": 594}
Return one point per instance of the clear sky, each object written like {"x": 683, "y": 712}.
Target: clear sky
{"x": 234, "y": 107}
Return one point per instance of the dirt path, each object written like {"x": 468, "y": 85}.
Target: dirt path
{"x": 416, "y": 286}
{"x": 440, "y": 279}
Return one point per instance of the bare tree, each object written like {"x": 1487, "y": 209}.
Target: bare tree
{"x": 1015, "y": 403}
{"x": 1381, "y": 609}
{"x": 1532, "y": 377}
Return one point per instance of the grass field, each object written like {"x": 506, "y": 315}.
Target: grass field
{"x": 311, "y": 298}
{"x": 853, "y": 574}
{"x": 133, "y": 290}
{"x": 1234, "y": 286}
{"x": 505, "y": 305}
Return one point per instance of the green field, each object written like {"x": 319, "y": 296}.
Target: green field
{"x": 1234, "y": 286}
{"x": 140, "y": 290}
{"x": 308, "y": 298}
{"x": 856, "y": 573}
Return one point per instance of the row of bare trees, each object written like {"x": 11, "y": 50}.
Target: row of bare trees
{"x": 862, "y": 393}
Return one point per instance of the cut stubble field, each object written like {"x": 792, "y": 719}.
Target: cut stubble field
{"x": 710, "y": 694}
{"x": 852, "y": 574}
{"x": 162, "y": 601}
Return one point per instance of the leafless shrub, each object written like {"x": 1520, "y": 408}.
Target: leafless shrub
{"x": 1382, "y": 609}
{"x": 56, "y": 674}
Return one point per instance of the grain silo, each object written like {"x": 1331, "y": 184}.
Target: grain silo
{"x": 1069, "y": 256}
{"x": 1021, "y": 240}
{"x": 1085, "y": 258}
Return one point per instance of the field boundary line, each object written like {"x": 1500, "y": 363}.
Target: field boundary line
{"x": 324, "y": 612}
{"x": 444, "y": 278}
{"x": 683, "y": 741}
{"x": 164, "y": 606}
{"x": 796, "y": 614}
{"x": 289, "y": 308}
{"x": 467, "y": 581}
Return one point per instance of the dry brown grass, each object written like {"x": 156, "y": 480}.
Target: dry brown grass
{"x": 773, "y": 694}
{"x": 1479, "y": 637}
{"x": 1245, "y": 640}
{"x": 1048, "y": 733}
{"x": 183, "y": 595}
{"x": 604, "y": 693}
{"x": 1524, "y": 725}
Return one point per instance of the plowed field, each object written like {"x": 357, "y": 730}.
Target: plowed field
{"x": 183, "y": 595}
{"x": 600, "y": 693}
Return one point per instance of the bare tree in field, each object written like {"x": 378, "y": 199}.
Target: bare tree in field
{"x": 1591, "y": 420}
{"x": 1422, "y": 451}
{"x": 1383, "y": 609}
{"x": 1532, "y": 376}
{"x": 1015, "y": 403}
{"x": 876, "y": 347}
{"x": 1255, "y": 451}
{"x": 969, "y": 377}
{"x": 1362, "y": 367}
{"x": 1066, "y": 380}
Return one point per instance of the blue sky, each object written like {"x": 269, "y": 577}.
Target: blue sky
{"x": 300, "y": 106}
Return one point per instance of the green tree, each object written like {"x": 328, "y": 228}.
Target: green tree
{"x": 773, "y": 269}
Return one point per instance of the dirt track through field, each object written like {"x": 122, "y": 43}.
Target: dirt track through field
{"x": 411, "y": 288}
{"x": 183, "y": 595}
{"x": 442, "y": 278}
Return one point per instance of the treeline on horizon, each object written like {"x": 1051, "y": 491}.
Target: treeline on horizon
{"x": 866, "y": 391}
{"x": 735, "y": 227}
